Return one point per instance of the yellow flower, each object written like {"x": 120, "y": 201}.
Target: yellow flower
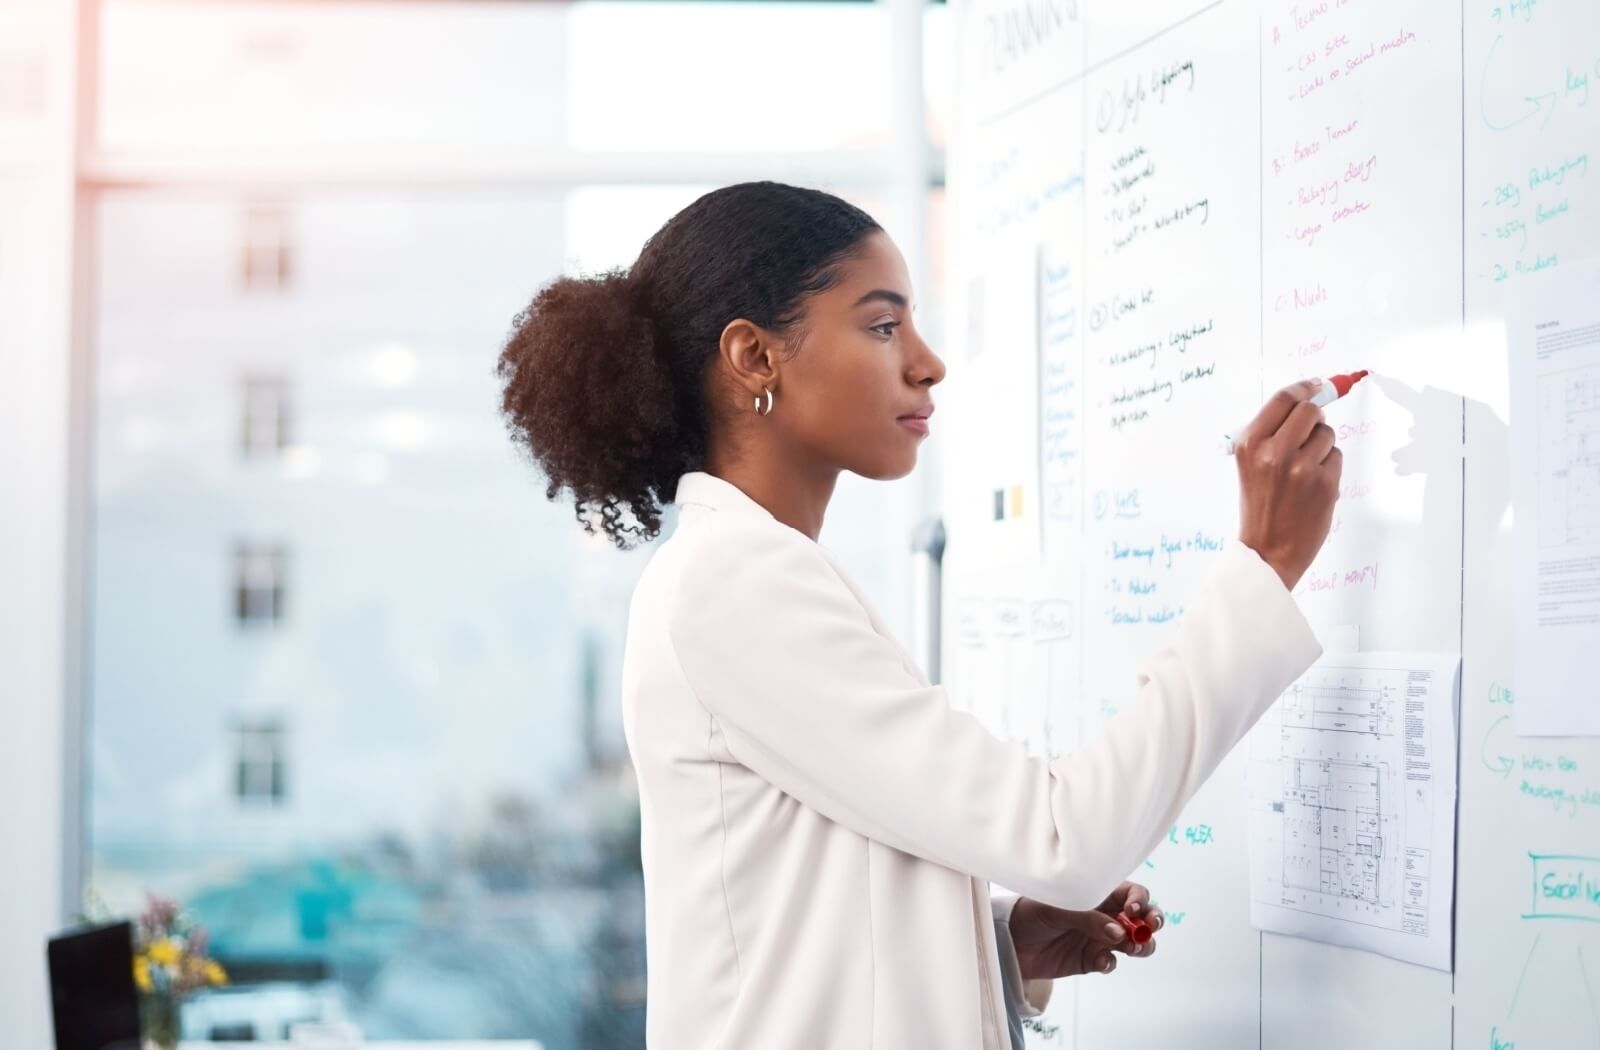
{"x": 141, "y": 973}
{"x": 166, "y": 952}
{"x": 215, "y": 974}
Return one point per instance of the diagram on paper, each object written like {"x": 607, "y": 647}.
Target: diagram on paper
{"x": 1569, "y": 457}
{"x": 1346, "y": 814}
{"x": 1553, "y": 348}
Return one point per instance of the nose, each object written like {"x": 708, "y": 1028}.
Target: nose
{"x": 925, "y": 366}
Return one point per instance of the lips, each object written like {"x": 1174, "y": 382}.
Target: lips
{"x": 918, "y": 420}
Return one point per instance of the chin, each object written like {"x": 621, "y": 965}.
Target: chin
{"x": 890, "y": 471}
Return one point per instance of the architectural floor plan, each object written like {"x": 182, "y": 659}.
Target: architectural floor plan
{"x": 1352, "y": 805}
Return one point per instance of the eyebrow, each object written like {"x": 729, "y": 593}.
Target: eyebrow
{"x": 885, "y": 294}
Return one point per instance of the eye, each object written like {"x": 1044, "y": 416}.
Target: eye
{"x": 889, "y": 325}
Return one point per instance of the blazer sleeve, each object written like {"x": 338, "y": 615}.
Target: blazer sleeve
{"x": 1024, "y": 997}
{"x": 813, "y": 699}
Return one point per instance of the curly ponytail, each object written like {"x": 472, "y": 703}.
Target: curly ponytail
{"x": 602, "y": 375}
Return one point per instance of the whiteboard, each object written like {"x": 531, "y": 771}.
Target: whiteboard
{"x": 1211, "y": 200}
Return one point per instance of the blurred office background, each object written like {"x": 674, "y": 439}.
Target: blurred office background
{"x": 287, "y": 629}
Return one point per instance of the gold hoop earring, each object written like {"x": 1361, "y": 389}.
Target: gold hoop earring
{"x": 768, "y": 412}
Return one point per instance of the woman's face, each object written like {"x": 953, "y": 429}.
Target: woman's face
{"x": 853, "y": 393}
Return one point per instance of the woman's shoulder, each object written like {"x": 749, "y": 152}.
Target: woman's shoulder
{"x": 726, "y": 565}
{"x": 722, "y": 544}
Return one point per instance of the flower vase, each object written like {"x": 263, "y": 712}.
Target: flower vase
{"x": 160, "y": 1019}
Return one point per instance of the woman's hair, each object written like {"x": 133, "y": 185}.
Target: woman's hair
{"x": 603, "y": 376}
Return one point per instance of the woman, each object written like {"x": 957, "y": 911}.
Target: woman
{"x": 819, "y": 826}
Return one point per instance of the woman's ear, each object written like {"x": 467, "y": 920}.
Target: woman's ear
{"x": 751, "y": 355}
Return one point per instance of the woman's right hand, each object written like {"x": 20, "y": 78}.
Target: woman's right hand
{"x": 1288, "y": 481}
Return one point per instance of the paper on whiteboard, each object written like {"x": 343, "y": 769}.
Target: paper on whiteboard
{"x": 1002, "y": 377}
{"x": 1352, "y": 806}
{"x": 1553, "y": 332}
{"x": 1060, "y": 400}
{"x": 1013, "y": 652}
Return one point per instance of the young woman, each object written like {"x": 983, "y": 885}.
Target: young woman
{"x": 819, "y": 825}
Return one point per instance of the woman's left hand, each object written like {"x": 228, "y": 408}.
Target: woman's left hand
{"x": 1054, "y": 942}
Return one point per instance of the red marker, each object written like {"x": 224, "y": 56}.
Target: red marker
{"x": 1139, "y": 930}
{"x": 1331, "y": 390}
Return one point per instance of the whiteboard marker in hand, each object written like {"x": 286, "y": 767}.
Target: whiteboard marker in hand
{"x": 1139, "y": 930}
{"x": 1331, "y": 390}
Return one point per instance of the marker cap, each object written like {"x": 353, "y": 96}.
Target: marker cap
{"x": 1343, "y": 383}
{"x": 1139, "y": 930}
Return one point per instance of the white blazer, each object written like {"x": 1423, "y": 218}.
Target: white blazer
{"x": 820, "y": 826}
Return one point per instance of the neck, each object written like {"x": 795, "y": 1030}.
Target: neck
{"x": 794, "y": 495}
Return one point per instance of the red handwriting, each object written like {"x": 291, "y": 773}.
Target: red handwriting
{"x": 1313, "y": 348}
{"x": 1355, "y": 207}
{"x": 1301, "y": 298}
{"x": 1339, "y": 579}
{"x": 1360, "y": 170}
{"x": 1351, "y": 431}
{"x": 1339, "y": 133}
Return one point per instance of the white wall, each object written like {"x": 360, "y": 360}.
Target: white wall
{"x": 36, "y": 107}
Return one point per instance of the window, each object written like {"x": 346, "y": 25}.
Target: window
{"x": 258, "y": 584}
{"x": 462, "y": 815}
{"x": 264, "y": 429}
{"x": 259, "y": 764}
{"x": 265, "y": 257}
